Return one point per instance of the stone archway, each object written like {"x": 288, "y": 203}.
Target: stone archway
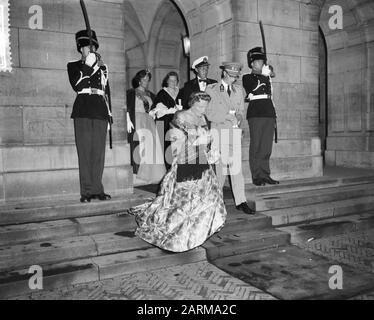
{"x": 153, "y": 39}
{"x": 350, "y": 140}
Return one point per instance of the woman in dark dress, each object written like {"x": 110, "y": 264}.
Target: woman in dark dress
{"x": 166, "y": 103}
{"x": 146, "y": 151}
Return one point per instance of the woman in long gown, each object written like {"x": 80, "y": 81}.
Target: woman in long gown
{"x": 145, "y": 146}
{"x": 189, "y": 207}
{"x": 164, "y": 107}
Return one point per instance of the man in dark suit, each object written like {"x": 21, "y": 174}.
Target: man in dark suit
{"x": 92, "y": 114}
{"x": 261, "y": 116}
{"x": 200, "y": 67}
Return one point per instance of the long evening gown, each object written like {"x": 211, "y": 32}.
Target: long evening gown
{"x": 189, "y": 207}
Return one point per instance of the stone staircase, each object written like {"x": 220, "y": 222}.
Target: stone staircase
{"x": 77, "y": 243}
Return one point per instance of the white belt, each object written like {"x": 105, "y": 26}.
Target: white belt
{"x": 259, "y": 96}
{"x": 92, "y": 91}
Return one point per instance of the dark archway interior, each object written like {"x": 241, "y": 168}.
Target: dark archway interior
{"x": 153, "y": 40}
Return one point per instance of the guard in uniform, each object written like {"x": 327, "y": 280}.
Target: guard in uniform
{"x": 200, "y": 67}
{"x": 92, "y": 114}
{"x": 260, "y": 115}
{"x": 226, "y": 112}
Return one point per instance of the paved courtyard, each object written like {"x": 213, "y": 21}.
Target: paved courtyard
{"x": 196, "y": 281}
{"x": 303, "y": 264}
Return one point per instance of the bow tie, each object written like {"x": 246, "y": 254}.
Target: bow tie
{"x": 202, "y": 80}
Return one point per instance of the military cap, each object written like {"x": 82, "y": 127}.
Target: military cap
{"x": 256, "y": 53}
{"x": 82, "y": 39}
{"x": 200, "y": 62}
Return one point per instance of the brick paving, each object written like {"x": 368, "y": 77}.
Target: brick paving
{"x": 354, "y": 249}
{"x": 196, "y": 281}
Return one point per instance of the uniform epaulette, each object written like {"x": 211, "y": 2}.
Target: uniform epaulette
{"x": 74, "y": 61}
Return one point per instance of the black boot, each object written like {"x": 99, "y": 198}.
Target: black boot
{"x": 86, "y": 198}
{"x": 102, "y": 196}
{"x": 269, "y": 180}
{"x": 245, "y": 208}
{"x": 258, "y": 182}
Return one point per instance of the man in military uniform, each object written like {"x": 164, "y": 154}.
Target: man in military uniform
{"x": 260, "y": 115}
{"x": 200, "y": 67}
{"x": 92, "y": 114}
{"x": 226, "y": 112}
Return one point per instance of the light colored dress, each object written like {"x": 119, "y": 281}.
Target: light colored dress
{"x": 184, "y": 214}
{"x": 152, "y": 168}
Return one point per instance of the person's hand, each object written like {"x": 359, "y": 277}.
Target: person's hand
{"x": 266, "y": 70}
{"x": 203, "y": 137}
{"x": 152, "y": 113}
{"x": 130, "y": 125}
{"x": 172, "y": 110}
{"x": 213, "y": 156}
{"x": 272, "y": 73}
{"x": 90, "y": 59}
{"x": 160, "y": 113}
{"x": 239, "y": 117}
{"x": 232, "y": 118}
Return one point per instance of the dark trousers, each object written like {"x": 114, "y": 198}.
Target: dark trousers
{"x": 261, "y": 144}
{"x": 90, "y": 139}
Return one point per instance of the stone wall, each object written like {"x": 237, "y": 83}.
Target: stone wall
{"x": 225, "y": 30}
{"x": 350, "y": 140}
{"x": 37, "y": 150}
{"x": 291, "y": 30}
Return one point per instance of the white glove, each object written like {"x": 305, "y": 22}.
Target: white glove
{"x": 213, "y": 156}
{"x": 91, "y": 59}
{"x": 130, "y": 125}
{"x": 179, "y": 105}
{"x": 266, "y": 70}
{"x": 161, "y": 110}
{"x": 152, "y": 113}
{"x": 172, "y": 110}
{"x": 204, "y": 138}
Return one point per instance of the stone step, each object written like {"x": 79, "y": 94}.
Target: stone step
{"x": 64, "y": 209}
{"x": 16, "y": 282}
{"x": 253, "y": 193}
{"x": 313, "y": 212}
{"x": 306, "y": 232}
{"x": 45, "y": 231}
{"x": 66, "y": 249}
{"x": 240, "y": 221}
{"x": 303, "y": 198}
{"x": 59, "y": 229}
{"x": 233, "y": 243}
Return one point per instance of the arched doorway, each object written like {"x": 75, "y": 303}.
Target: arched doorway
{"x": 350, "y": 112}
{"x": 153, "y": 40}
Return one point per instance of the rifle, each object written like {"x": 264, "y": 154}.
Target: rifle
{"x": 98, "y": 57}
{"x": 265, "y": 52}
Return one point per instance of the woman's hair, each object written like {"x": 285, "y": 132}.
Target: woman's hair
{"x": 197, "y": 97}
{"x": 140, "y": 75}
{"x": 166, "y": 79}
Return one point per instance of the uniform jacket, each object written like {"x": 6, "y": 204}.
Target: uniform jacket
{"x": 192, "y": 86}
{"x": 222, "y": 103}
{"x": 258, "y": 84}
{"x": 82, "y": 76}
